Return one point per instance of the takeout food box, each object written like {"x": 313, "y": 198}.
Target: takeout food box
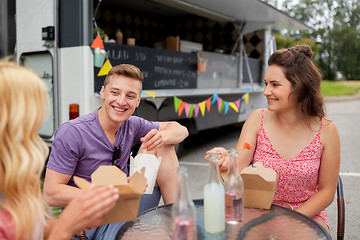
{"x": 151, "y": 164}
{"x": 127, "y": 206}
{"x": 259, "y": 186}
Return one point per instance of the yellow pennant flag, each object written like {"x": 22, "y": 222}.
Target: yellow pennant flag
{"x": 105, "y": 68}
{"x": 246, "y": 97}
{"x": 233, "y": 105}
{"x": 202, "y": 107}
{"x": 150, "y": 93}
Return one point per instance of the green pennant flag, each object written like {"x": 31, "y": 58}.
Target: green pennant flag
{"x": 176, "y": 103}
{"x": 191, "y": 110}
{"x": 222, "y": 106}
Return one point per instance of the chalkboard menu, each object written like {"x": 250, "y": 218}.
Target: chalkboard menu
{"x": 162, "y": 69}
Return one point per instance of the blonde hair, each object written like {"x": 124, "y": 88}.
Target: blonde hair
{"x": 23, "y": 108}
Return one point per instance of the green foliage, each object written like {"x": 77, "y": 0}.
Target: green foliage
{"x": 101, "y": 32}
{"x": 336, "y": 26}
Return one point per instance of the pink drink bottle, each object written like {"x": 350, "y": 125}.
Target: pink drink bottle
{"x": 183, "y": 210}
{"x": 234, "y": 191}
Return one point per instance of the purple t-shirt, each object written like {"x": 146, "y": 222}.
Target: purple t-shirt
{"x": 80, "y": 146}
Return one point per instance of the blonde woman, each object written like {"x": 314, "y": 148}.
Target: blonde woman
{"x": 23, "y": 104}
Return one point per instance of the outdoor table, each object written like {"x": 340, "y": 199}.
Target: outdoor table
{"x": 276, "y": 223}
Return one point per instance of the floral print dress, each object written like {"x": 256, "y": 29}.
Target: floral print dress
{"x": 297, "y": 177}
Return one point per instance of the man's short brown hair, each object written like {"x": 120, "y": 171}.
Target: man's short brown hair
{"x": 126, "y": 70}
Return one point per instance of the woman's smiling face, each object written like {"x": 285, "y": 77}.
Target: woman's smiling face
{"x": 277, "y": 89}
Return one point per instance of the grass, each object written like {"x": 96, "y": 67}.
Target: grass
{"x": 339, "y": 88}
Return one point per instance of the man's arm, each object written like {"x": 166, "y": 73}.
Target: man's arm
{"x": 56, "y": 192}
{"x": 169, "y": 133}
{"x": 173, "y": 132}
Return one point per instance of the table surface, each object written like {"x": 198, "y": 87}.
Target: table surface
{"x": 276, "y": 223}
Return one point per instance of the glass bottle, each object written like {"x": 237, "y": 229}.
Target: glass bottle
{"x": 214, "y": 198}
{"x": 234, "y": 190}
{"x": 183, "y": 210}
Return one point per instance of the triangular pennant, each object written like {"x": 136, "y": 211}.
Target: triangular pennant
{"x": 176, "y": 103}
{"x": 246, "y": 97}
{"x": 181, "y": 108}
{"x": 226, "y": 106}
{"x": 191, "y": 110}
{"x": 150, "y": 93}
{"x": 219, "y": 101}
{"x": 105, "y": 68}
{"x": 208, "y": 103}
{"x": 214, "y": 97}
{"x": 233, "y": 105}
{"x": 202, "y": 108}
{"x": 222, "y": 106}
{"x": 187, "y": 109}
{"x": 196, "y": 109}
{"x": 97, "y": 43}
{"x": 238, "y": 103}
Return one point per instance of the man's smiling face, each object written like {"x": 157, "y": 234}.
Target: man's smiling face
{"x": 121, "y": 97}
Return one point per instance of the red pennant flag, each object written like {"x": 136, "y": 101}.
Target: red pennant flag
{"x": 208, "y": 103}
{"x": 181, "y": 108}
{"x": 97, "y": 43}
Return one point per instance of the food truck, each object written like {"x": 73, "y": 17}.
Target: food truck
{"x": 203, "y": 61}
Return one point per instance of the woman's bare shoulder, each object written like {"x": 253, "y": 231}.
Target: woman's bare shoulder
{"x": 329, "y": 129}
{"x": 254, "y": 118}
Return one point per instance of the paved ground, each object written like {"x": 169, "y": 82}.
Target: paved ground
{"x": 344, "y": 111}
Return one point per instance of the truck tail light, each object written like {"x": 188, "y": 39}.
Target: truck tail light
{"x": 73, "y": 111}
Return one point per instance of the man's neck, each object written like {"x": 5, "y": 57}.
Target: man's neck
{"x": 110, "y": 128}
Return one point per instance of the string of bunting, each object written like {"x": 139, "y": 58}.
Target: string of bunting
{"x": 193, "y": 108}
{"x": 190, "y": 108}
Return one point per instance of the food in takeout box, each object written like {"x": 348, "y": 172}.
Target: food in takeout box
{"x": 151, "y": 164}
{"x": 127, "y": 206}
{"x": 259, "y": 186}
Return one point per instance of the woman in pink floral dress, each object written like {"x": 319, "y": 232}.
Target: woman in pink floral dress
{"x": 292, "y": 136}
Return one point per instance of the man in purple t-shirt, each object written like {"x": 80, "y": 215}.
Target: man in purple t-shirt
{"x": 107, "y": 134}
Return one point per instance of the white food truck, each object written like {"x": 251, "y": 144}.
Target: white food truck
{"x": 203, "y": 60}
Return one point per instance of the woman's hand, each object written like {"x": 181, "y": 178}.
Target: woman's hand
{"x": 223, "y": 156}
{"x": 85, "y": 211}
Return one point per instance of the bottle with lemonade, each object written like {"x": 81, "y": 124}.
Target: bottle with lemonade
{"x": 214, "y": 198}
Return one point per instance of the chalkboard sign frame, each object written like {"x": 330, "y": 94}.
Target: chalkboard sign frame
{"x": 162, "y": 69}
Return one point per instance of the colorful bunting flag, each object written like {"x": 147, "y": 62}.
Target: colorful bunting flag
{"x": 196, "y": 109}
{"x": 226, "y": 106}
{"x": 97, "y": 43}
{"x": 233, "y": 105}
{"x": 202, "y": 108}
{"x": 181, "y": 107}
{"x": 214, "y": 97}
{"x": 208, "y": 103}
{"x": 105, "y": 68}
{"x": 187, "y": 109}
{"x": 246, "y": 97}
{"x": 176, "y": 103}
{"x": 150, "y": 93}
{"x": 191, "y": 110}
{"x": 237, "y": 102}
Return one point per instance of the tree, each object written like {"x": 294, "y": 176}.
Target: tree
{"x": 337, "y": 33}
{"x": 346, "y": 35}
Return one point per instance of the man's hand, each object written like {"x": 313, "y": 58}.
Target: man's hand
{"x": 152, "y": 140}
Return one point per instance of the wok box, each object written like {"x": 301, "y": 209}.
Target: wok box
{"x": 127, "y": 206}
{"x": 259, "y": 186}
